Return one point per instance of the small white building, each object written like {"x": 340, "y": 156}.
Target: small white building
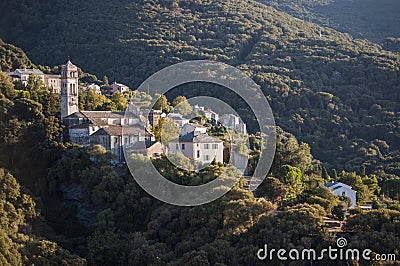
{"x": 230, "y": 120}
{"x": 211, "y": 115}
{"x": 115, "y": 138}
{"x": 202, "y": 148}
{"x": 366, "y": 207}
{"x": 190, "y": 127}
{"x": 118, "y": 87}
{"x": 53, "y": 83}
{"x": 94, "y": 87}
{"x": 178, "y": 119}
{"x": 341, "y": 189}
{"x": 233, "y": 122}
{"x": 23, "y": 74}
{"x": 198, "y": 108}
{"x": 241, "y": 128}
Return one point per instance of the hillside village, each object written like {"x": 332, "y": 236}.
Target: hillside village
{"x": 114, "y": 131}
{"x": 68, "y": 195}
{"x": 122, "y": 134}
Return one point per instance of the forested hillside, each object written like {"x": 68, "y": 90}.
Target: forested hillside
{"x": 97, "y": 210}
{"x": 12, "y": 58}
{"x": 18, "y": 244}
{"x": 366, "y": 19}
{"x": 29, "y": 132}
{"x": 338, "y": 94}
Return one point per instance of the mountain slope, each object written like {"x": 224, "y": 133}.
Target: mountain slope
{"x": 373, "y": 20}
{"x": 12, "y": 57}
{"x": 339, "y": 94}
{"x": 19, "y": 245}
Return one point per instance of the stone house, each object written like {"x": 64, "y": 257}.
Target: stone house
{"x": 200, "y": 147}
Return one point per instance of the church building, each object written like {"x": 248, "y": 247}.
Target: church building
{"x": 110, "y": 129}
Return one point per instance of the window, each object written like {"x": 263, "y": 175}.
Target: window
{"x": 177, "y": 146}
{"x": 343, "y": 193}
{"x": 215, "y": 146}
{"x": 206, "y": 157}
{"x": 183, "y": 146}
{"x": 206, "y": 146}
{"x": 198, "y": 154}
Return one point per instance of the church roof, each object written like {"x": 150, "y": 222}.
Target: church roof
{"x": 25, "y": 71}
{"x": 192, "y": 137}
{"x": 103, "y": 114}
{"x": 76, "y": 115}
{"x": 119, "y": 131}
{"x": 96, "y": 114}
{"x": 69, "y": 66}
{"x": 52, "y": 76}
{"x": 119, "y": 84}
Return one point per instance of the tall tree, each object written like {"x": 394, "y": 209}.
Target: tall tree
{"x": 272, "y": 189}
{"x": 165, "y": 130}
{"x": 162, "y": 103}
{"x": 182, "y": 106}
{"x": 120, "y": 101}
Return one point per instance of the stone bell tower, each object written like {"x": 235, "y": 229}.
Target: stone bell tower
{"x": 69, "y": 89}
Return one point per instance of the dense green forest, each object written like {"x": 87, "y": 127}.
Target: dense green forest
{"x": 96, "y": 210}
{"x": 336, "y": 93}
{"x": 12, "y": 57}
{"x": 365, "y": 19}
{"x": 335, "y": 99}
